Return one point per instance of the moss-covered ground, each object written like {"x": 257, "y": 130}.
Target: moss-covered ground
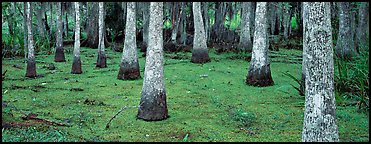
{"x": 206, "y": 102}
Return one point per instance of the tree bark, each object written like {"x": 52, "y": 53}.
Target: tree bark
{"x": 59, "y": 51}
{"x": 76, "y": 65}
{"x": 31, "y": 62}
{"x": 92, "y": 28}
{"x": 129, "y": 66}
{"x": 200, "y": 53}
{"x": 174, "y": 32}
{"x": 25, "y": 29}
{"x": 41, "y": 26}
{"x": 205, "y": 8}
{"x": 101, "y": 60}
{"x": 153, "y": 104}
{"x": 345, "y": 44}
{"x": 245, "y": 38}
{"x": 363, "y": 25}
{"x": 259, "y": 72}
{"x": 319, "y": 115}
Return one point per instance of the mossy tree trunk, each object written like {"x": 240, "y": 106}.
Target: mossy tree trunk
{"x": 101, "y": 60}
{"x": 76, "y": 65}
{"x": 345, "y": 44}
{"x": 319, "y": 114}
{"x": 59, "y": 51}
{"x": 245, "y": 38}
{"x": 259, "y": 72}
{"x": 200, "y": 53}
{"x": 31, "y": 62}
{"x": 153, "y": 99}
{"x": 129, "y": 66}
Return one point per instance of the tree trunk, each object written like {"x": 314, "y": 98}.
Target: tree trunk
{"x": 272, "y": 11}
{"x": 25, "y": 29}
{"x": 153, "y": 104}
{"x": 205, "y": 8}
{"x": 259, "y": 72}
{"x": 31, "y": 62}
{"x": 41, "y": 26}
{"x": 145, "y": 24}
{"x": 319, "y": 115}
{"x": 245, "y": 38}
{"x": 200, "y": 53}
{"x": 345, "y": 45}
{"x": 66, "y": 20}
{"x": 101, "y": 60}
{"x": 286, "y": 21}
{"x": 76, "y": 65}
{"x": 363, "y": 25}
{"x": 59, "y": 51}
{"x": 92, "y": 28}
{"x": 174, "y": 32}
{"x": 183, "y": 36}
{"x": 129, "y": 66}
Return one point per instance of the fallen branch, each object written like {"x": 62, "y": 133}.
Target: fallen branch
{"x": 3, "y": 77}
{"x": 32, "y": 116}
{"x": 121, "y": 110}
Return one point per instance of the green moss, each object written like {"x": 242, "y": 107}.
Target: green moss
{"x": 201, "y": 98}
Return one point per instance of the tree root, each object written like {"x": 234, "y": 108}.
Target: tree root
{"x": 121, "y": 110}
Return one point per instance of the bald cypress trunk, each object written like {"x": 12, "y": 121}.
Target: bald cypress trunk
{"x": 200, "y": 53}
{"x": 245, "y": 38}
{"x": 101, "y": 60}
{"x": 319, "y": 115}
{"x": 59, "y": 51}
{"x": 129, "y": 66}
{"x": 259, "y": 72}
{"x": 31, "y": 62}
{"x": 345, "y": 44}
{"x": 153, "y": 99}
{"x": 76, "y": 65}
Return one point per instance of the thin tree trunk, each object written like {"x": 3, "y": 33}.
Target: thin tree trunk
{"x": 363, "y": 25}
{"x": 41, "y": 26}
{"x": 176, "y": 27}
{"x": 345, "y": 45}
{"x": 259, "y": 71}
{"x": 59, "y": 52}
{"x": 76, "y": 65}
{"x": 31, "y": 62}
{"x": 25, "y": 30}
{"x": 129, "y": 66}
{"x": 183, "y": 36}
{"x": 153, "y": 104}
{"x": 320, "y": 107}
{"x": 200, "y": 53}
{"x": 205, "y": 8}
{"x": 101, "y": 60}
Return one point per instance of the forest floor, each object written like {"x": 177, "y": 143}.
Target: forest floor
{"x": 206, "y": 102}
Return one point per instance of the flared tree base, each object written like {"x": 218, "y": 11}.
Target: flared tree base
{"x": 200, "y": 56}
{"x": 128, "y": 73}
{"x": 155, "y": 109}
{"x": 260, "y": 77}
{"x": 76, "y": 66}
{"x": 101, "y": 61}
{"x": 59, "y": 55}
{"x": 31, "y": 68}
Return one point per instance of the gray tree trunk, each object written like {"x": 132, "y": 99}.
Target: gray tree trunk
{"x": 59, "y": 52}
{"x": 101, "y": 60}
{"x": 259, "y": 72}
{"x": 153, "y": 104}
{"x": 363, "y": 25}
{"x": 76, "y": 65}
{"x": 205, "y": 8}
{"x": 174, "y": 32}
{"x": 145, "y": 23}
{"x": 129, "y": 66}
{"x": 273, "y": 16}
{"x": 345, "y": 45}
{"x": 319, "y": 114}
{"x": 41, "y": 26}
{"x": 31, "y": 62}
{"x": 286, "y": 21}
{"x": 25, "y": 30}
{"x": 183, "y": 36}
{"x": 245, "y": 38}
{"x": 200, "y": 53}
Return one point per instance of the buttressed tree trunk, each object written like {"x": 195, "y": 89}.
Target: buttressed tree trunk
{"x": 31, "y": 62}
{"x": 59, "y": 52}
{"x": 259, "y": 72}
{"x": 153, "y": 99}
{"x": 101, "y": 60}
{"x": 76, "y": 65}
{"x": 200, "y": 53}
{"x": 129, "y": 66}
{"x": 345, "y": 44}
{"x": 245, "y": 38}
{"x": 319, "y": 114}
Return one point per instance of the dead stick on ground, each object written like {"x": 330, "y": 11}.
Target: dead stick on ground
{"x": 121, "y": 110}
